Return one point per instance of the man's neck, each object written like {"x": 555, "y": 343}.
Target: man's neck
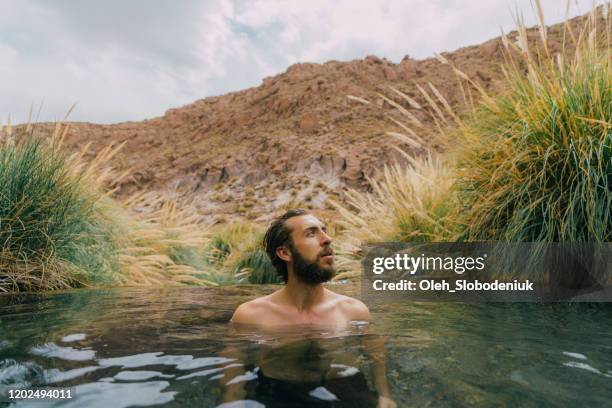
{"x": 302, "y": 295}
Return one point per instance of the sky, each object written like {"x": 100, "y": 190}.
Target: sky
{"x": 121, "y": 60}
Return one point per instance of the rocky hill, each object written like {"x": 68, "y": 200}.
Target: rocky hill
{"x": 296, "y": 138}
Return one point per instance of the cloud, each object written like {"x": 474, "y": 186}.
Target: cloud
{"x": 133, "y": 60}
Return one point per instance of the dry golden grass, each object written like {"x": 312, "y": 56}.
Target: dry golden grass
{"x": 145, "y": 258}
{"x": 407, "y": 204}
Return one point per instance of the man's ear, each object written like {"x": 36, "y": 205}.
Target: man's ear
{"x": 283, "y": 253}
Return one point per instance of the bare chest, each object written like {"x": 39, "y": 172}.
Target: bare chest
{"x": 331, "y": 316}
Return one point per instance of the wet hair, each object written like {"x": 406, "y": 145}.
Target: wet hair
{"x": 278, "y": 234}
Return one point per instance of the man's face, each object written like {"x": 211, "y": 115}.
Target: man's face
{"x": 312, "y": 255}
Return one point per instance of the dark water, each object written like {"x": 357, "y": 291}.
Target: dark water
{"x": 174, "y": 347}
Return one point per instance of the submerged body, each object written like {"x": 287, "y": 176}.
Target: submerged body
{"x": 307, "y": 366}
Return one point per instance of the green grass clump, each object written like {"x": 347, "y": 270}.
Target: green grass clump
{"x": 184, "y": 255}
{"x": 256, "y": 266}
{"x": 218, "y": 250}
{"x": 236, "y": 255}
{"x": 537, "y": 163}
{"x": 50, "y": 234}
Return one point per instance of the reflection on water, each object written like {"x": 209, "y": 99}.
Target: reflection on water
{"x": 174, "y": 347}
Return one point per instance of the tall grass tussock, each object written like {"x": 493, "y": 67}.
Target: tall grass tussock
{"x": 537, "y": 164}
{"x": 59, "y": 227}
{"x": 50, "y": 234}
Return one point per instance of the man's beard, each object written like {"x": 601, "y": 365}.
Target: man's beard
{"x": 310, "y": 272}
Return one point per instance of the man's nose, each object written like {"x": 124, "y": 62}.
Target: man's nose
{"x": 325, "y": 239}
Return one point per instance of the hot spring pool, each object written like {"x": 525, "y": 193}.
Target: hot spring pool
{"x": 173, "y": 347}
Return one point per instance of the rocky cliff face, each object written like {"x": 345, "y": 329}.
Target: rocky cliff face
{"x": 296, "y": 138}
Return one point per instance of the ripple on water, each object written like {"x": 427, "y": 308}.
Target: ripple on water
{"x": 575, "y": 355}
{"x": 24, "y": 374}
{"x": 242, "y": 404}
{"x": 73, "y": 337}
{"x": 181, "y": 362}
{"x": 65, "y": 353}
{"x": 208, "y": 372}
{"x": 585, "y": 366}
{"x": 247, "y": 376}
{"x": 140, "y": 375}
{"x": 55, "y": 375}
{"x": 323, "y": 393}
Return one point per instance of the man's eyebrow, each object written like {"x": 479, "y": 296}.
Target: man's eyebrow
{"x": 314, "y": 228}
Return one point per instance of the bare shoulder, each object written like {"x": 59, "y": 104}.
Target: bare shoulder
{"x": 353, "y": 308}
{"x": 251, "y": 312}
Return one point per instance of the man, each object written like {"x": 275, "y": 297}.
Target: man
{"x": 300, "y": 250}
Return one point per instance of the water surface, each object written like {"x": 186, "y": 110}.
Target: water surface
{"x": 174, "y": 347}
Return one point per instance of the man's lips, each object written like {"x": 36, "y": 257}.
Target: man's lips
{"x": 329, "y": 254}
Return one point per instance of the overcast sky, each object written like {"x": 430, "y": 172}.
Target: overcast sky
{"x": 134, "y": 59}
